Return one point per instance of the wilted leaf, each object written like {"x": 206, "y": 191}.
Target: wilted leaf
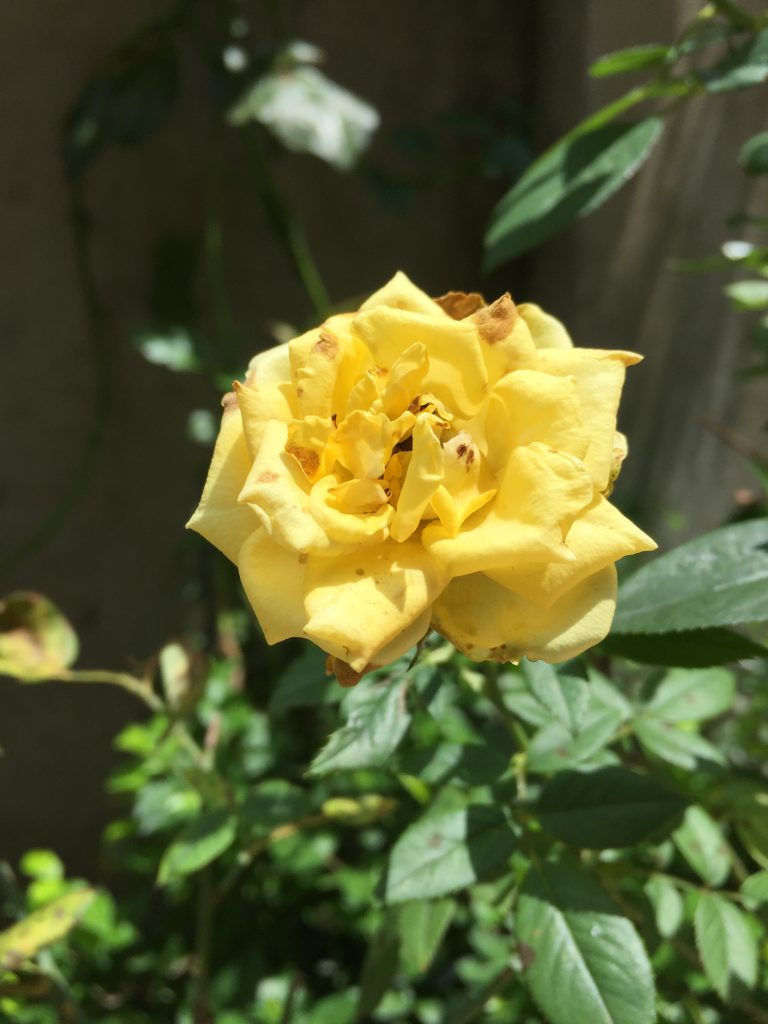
{"x": 36, "y": 640}
{"x": 309, "y": 113}
{"x": 42, "y": 927}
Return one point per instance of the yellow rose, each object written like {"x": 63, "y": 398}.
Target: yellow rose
{"x": 425, "y": 463}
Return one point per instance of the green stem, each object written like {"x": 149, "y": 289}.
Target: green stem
{"x": 289, "y": 231}
{"x": 125, "y": 681}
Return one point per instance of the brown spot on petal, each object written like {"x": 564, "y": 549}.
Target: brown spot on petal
{"x": 267, "y": 477}
{"x": 303, "y": 558}
{"x": 495, "y": 322}
{"x": 459, "y": 305}
{"x": 306, "y": 458}
{"x": 359, "y": 572}
{"x": 326, "y": 345}
{"x": 461, "y": 451}
{"x": 344, "y": 673}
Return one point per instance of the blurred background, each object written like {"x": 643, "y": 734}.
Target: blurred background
{"x": 185, "y": 183}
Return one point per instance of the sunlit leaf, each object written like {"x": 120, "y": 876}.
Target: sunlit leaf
{"x": 42, "y": 927}
{"x": 667, "y": 904}
{"x": 570, "y": 180}
{"x": 701, "y": 842}
{"x": 422, "y": 925}
{"x": 744, "y": 66}
{"x": 727, "y": 945}
{"x": 585, "y": 962}
{"x": 634, "y": 58}
{"x": 684, "y": 696}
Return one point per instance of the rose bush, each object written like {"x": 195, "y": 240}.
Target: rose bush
{"x": 425, "y": 463}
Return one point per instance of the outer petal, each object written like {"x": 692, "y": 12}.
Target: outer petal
{"x": 546, "y": 330}
{"x": 505, "y": 340}
{"x": 360, "y": 604}
{"x": 599, "y": 375}
{"x": 484, "y": 620}
{"x": 540, "y": 495}
{"x": 457, "y": 374}
{"x": 402, "y": 293}
{"x": 218, "y": 517}
{"x": 597, "y": 538}
{"x": 273, "y": 580}
{"x": 326, "y": 363}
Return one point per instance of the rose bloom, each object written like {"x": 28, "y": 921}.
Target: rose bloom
{"x": 425, "y": 463}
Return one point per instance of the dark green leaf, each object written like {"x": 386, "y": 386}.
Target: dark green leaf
{"x": 379, "y": 967}
{"x": 446, "y": 851}
{"x": 570, "y": 180}
{"x": 164, "y": 803}
{"x": 377, "y": 721}
{"x": 746, "y": 65}
{"x": 754, "y": 154}
{"x": 272, "y": 803}
{"x": 198, "y": 844}
{"x": 720, "y": 579}
{"x": 607, "y": 808}
{"x": 667, "y": 904}
{"x": 304, "y": 684}
{"x": 685, "y": 696}
{"x": 675, "y": 745}
{"x": 691, "y": 648}
{"x": 727, "y": 945}
{"x": 701, "y": 842}
{"x": 585, "y": 961}
{"x": 423, "y": 924}
{"x": 634, "y": 58}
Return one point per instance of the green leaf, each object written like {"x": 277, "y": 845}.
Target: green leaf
{"x": 309, "y": 113}
{"x": 747, "y": 805}
{"x": 198, "y": 844}
{"x": 667, "y": 905}
{"x": 604, "y": 692}
{"x": 692, "y": 648}
{"x": 607, "y": 808}
{"x": 675, "y": 745}
{"x": 634, "y": 58}
{"x": 164, "y": 803}
{"x": 752, "y": 295}
{"x": 754, "y": 154}
{"x": 449, "y": 850}
{"x": 755, "y": 889}
{"x": 585, "y": 961}
{"x": 701, "y": 842}
{"x": 338, "y": 1008}
{"x": 42, "y": 927}
{"x": 570, "y": 180}
{"x": 174, "y": 349}
{"x": 379, "y": 967}
{"x": 720, "y": 579}
{"x": 746, "y": 65}
{"x": 564, "y": 697}
{"x": 36, "y": 640}
{"x": 423, "y": 923}
{"x": 377, "y": 721}
{"x": 727, "y": 945}
{"x": 304, "y": 684}
{"x": 693, "y": 696}
{"x": 272, "y": 803}
{"x": 554, "y": 747}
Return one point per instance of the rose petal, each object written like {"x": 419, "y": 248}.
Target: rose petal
{"x": 326, "y": 363}
{"x": 360, "y": 604}
{"x": 402, "y": 293}
{"x": 347, "y": 529}
{"x": 539, "y": 496}
{"x": 546, "y": 330}
{"x": 219, "y": 518}
{"x": 425, "y": 472}
{"x": 467, "y": 483}
{"x": 599, "y": 536}
{"x": 273, "y": 580}
{"x": 484, "y": 620}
